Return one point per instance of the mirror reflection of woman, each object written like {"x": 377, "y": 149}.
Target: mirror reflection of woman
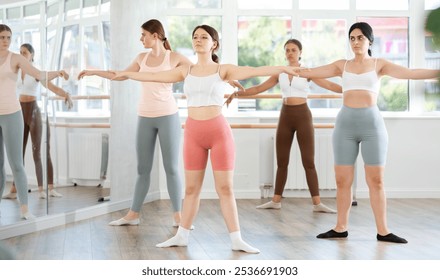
{"x": 29, "y": 92}
{"x": 11, "y": 118}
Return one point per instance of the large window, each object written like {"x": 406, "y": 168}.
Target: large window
{"x": 256, "y": 31}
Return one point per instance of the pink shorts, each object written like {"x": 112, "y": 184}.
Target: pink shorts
{"x": 200, "y": 136}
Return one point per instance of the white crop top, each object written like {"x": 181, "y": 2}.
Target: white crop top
{"x": 28, "y": 86}
{"x": 364, "y": 81}
{"x": 298, "y": 87}
{"x": 206, "y": 90}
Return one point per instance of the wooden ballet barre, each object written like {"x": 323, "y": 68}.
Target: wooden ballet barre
{"x": 278, "y": 96}
{"x": 81, "y": 125}
{"x": 270, "y": 125}
{"x": 81, "y": 97}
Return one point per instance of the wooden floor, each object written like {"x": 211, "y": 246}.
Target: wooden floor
{"x": 286, "y": 234}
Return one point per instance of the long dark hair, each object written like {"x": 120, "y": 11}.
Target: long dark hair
{"x": 366, "y": 30}
{"x": 29, "y": 48}
{"x": 295, "y": 42}
{"x": 214, "y": 35}
{"x": 155, "y": 26}
{"x": 4, "y": 27}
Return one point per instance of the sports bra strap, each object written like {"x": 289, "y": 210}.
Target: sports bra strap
{"x": 345, "y": 64}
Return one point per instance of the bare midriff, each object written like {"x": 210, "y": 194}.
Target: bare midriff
{"x": 204, "y": 112}
{"x": 27, "y": 98}
{"x": 294, "y": 101}
{"x": 359, "y": 98}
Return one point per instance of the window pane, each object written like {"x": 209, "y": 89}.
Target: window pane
{"x": 264, "y": 4}
{"x": 90, "y": 8}
{"x": 432, "y": 61}
{"x": 32, "y": 36}
{"x": 13, "y": 15}
{"x": 395, "y": 5}
{"x": 32, "y": 14}
{"x": 190, "y": 4}
{"x": 71, "y": 9}
{"x": 391, "y": 43}
{"x": 432, "y": 4}
{"x": 179, "y": 30}
{"x": 324, "y": 4}
{"x": 260, "y": 43}
{"x": 107, "y": 54}
{"x": 317, "y": 51}
{"x": 52, "y": 13}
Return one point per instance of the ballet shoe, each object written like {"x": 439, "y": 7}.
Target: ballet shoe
{"x": 10, "y": 196}
{"x": 124, "y": 222}
{"x": 322, "y": 208}
{"x": 270, "y": 205}
{"x": 54, "y": 193}
{"x": 27, "y": 216}
{"x": 333, "y": 234}
{"x": 390, "y": 237}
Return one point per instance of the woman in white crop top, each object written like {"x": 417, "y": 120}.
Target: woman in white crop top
{"x": 206, "y": 130}
{"x": 158, "y": 117}
{"x": 29, "y": 92}
{"x": 295, "y": 118}
{"x": 11, "y": 119}
{"x": 360, "y": 121}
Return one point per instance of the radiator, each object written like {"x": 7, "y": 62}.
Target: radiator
{"x": 88, "y": 157}
{"x": 296, "y": 178}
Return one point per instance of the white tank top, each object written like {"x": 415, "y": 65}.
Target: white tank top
{"x": 28, "y": 86}
{"x": 206, "y": 90}
{"x": 8, "y": 80}
{"x": 298, "y": 87}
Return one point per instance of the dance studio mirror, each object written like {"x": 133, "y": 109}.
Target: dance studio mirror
{"x": 75, "y": 175}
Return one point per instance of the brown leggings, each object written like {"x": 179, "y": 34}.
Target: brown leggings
{"x": 297, "y": 118}
{"x": 34, "y": 125}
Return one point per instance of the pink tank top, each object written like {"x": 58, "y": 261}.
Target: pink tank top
{"x": 8, "y": 80}
{"x": 157, "y": 98}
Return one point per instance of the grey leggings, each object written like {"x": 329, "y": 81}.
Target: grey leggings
{"x": 168, "y": 129}
{"x": 11, "y": 136}
{"x": 364, "y": 126}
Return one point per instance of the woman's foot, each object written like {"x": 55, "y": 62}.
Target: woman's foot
{"x": 176, "y": 224}
{"x": 181, "y": 239}
{"x": 321, "y": 207}
{"x": 270, "y": 205}
{"x": 54, "y": 193}
{"x": 42, "y": 194}
{"x": 391, "y": 238}
{"x": 125, "y": 222}
{"x": 238, "y": 244}
{"x": 11, "y": 195}
{"x": 333, "y": 234}
{"x": 27, "y": 216}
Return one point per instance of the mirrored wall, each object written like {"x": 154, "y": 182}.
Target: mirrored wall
{"x": 66, "y": 146}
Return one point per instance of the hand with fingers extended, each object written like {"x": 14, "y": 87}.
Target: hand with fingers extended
{"x": 68, "y": 101}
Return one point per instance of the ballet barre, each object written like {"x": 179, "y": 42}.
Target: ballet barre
{"x": 276, "y": 96}
{"x": 81, "y": 97}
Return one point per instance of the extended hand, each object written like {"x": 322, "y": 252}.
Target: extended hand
{"x": 64, "y": 75}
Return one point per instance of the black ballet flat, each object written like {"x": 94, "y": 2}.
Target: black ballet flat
{"x": 333, "y": 234}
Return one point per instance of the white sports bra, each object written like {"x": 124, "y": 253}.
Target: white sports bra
{"x": 364, "y": 81}
{"x": 298, "y": 87}
{"x": 204, "y": 91}
{"x": 28, "y": 86}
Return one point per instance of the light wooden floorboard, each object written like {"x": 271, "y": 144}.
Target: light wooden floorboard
{"x": 286, "y": 234}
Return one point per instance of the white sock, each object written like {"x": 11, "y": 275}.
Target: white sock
{"x": 239, "y": 245}
{"x": 180, "y": 239}
{"x": 323, "y": 208}
{"x": 270, "y": 205}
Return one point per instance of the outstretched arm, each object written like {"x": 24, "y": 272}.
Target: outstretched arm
{"x": 234, "y": 72}
{"x": 328, "y": 85}
{"x": 322, "y": 72}
{"x": 60, "y": 92}
{"x": 396, "y": 71}
{"x": 133, "y": 67}
{"x": 29, "y": 69}
{"x": 175, "y": 75}
{"x": 269, "y": 83}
